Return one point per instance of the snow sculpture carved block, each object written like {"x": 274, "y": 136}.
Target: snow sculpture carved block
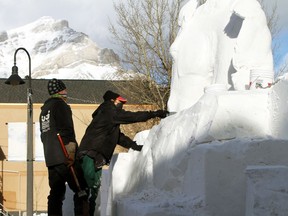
{"x": 267, "y": 188}
{"x": 218, "y": 42}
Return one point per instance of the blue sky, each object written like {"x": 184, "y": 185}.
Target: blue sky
{"x": 282, "y": 38}
{"x": 282, "y": 50}
{"x": 91, "y": 17}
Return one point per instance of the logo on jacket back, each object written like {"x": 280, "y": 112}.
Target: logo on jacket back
{"x": 45, "y": 122}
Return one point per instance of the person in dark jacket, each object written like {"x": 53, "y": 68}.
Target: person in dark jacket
{"x": 56, "y": 118}
{"x": 103, "y": 134}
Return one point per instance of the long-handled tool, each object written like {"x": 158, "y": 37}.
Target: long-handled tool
{"x": 81, "y": 192}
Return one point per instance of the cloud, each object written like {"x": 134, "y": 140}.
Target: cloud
{"x": 281, "y": 6}
{"x": 87, "y": 16}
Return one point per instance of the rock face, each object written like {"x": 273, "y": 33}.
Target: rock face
{"x": 56, "y": 51}
{"x": 108, "y": 56}
{"x": 3, "y": 36}
{"x": 219, "y": 42}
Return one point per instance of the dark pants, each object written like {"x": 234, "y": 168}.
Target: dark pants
{"x": 58, "y": 176}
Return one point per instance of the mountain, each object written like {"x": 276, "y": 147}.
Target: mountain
{"x": 56, "y": 50}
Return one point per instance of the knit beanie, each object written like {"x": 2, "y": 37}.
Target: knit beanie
{"x": 55, "y": 86}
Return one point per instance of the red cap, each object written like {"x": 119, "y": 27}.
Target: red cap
{"x": 123, "y": 100}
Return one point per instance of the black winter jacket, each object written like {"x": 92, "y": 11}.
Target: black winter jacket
{"x": 55, "y": 117}
{"x": 103, "y": 133}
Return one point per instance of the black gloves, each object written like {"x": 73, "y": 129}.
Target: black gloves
{"x": 137, "y": 147}
{"x": 160, "y": 113}
{"x": 99, "y": 161}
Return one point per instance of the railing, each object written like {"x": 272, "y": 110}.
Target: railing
{"x": 3, "y": 212}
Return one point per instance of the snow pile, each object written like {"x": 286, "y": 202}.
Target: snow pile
{"x": 197, "y": 162}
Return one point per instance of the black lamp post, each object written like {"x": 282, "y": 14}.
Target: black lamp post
{"x": 15, "y": 79}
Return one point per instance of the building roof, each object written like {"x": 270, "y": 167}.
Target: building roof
{"x": 79, "y": 91}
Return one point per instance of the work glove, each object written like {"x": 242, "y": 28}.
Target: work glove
{"x": 161, "y": 113}
{"x": 99, "y": 161}
{"x": 71, "y": 150}
{"x": 137, "y": 147}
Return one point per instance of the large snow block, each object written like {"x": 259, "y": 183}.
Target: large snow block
{"x": 229, "y": 115}
{"x": 150, "y": 209}
{"x": 267, "y": 190}
{"x": 105, "y": 192}
{"x": 278, "y": 110}
{"x": 216, "y": 172}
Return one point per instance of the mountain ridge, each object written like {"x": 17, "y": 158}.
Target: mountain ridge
{"x": 56, "y": 50}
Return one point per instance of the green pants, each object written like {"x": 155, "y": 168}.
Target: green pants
{"x": 93, "y": 179}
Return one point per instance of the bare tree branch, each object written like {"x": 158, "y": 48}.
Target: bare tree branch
{"x": 145, "y": 30}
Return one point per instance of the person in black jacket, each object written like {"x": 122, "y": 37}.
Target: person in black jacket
{"x": 103, "y": 134}
{"x": 56, "y": 117}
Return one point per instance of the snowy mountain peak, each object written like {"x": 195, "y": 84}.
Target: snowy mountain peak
{"x": 56, "y": 50}
{"x": 44, "y": 24}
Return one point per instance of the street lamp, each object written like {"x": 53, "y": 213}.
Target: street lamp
{"x": 15, "y": 79}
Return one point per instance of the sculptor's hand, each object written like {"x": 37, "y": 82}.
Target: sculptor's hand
{"x": 137, "y": 147}
{"x": 71, "y": 149}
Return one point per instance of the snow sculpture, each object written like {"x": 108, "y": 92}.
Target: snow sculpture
{"x": 219, "y": 42}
